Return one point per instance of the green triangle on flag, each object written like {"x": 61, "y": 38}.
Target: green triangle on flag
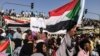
{"x": 73, "y": 14}
{"x": 8, "y": 50}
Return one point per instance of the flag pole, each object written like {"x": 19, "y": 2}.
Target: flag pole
{"x": 81, "y": 12}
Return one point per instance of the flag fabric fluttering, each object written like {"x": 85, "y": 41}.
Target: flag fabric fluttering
{"x": 3, "y": 48}
{"x": 9, "y": 49}
{"x": 60, "y": 18}
{"x": 10, "y": 21}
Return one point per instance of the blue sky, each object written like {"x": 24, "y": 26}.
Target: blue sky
{"x": 47, "y": 5}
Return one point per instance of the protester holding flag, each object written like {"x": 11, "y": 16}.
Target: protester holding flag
{"x": 4, "y": 43}
{"x": 66, "y": 44}
{"x": 66, "y": 17}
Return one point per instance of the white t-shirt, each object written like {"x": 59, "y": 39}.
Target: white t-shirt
{"x": 37, "y": 54}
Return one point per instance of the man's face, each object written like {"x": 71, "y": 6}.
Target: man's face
{"x": 41, "y": 29}
{"x": 44, "y": 48}
{"x": 72, "y": 32}
{"x": 87, "y": 47}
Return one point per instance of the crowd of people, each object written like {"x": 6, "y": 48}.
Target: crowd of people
{"x": 91, "y": 22}
{"x": 12, "y": 12}
{"x": 29, "y": 43}
{"x": 27, "y": 14}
